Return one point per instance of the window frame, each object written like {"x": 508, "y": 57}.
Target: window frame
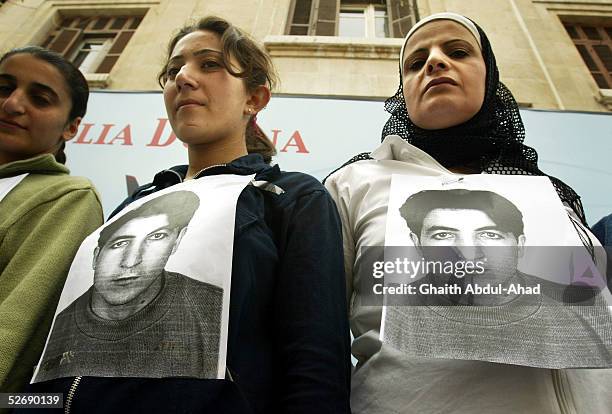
{"x": 397, "y": 26}
{"x": 588, "y": 44}
{"x": 74, "y": 30}
{"x": 106, "y": 44}
{"x": 290, "y": 25}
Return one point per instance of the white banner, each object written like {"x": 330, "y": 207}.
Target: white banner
{"x": 127, "y": 134}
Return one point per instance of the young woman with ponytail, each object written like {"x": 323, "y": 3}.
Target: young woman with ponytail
{"x": 288, "y": 340}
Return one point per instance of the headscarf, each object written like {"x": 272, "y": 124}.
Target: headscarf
{"x": 491, "y": 141}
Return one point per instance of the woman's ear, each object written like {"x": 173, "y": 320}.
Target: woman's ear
{"x": 71, "y": 128}
{"x": 258, "y": 98}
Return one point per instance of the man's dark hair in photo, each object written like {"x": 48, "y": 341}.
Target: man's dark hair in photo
{"x": 178, "y": 206}
{"x": 502, "y": 211}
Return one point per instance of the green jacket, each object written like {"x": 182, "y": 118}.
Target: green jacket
{"x": 43, "y": 221}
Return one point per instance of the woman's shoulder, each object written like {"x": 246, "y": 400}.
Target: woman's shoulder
{"x": 54, "y": 186}
{"x": 42, "y": 187}
{"x": 297, "y": 182}
{"x": 43, "y": 172}
{"x": 350, "y": 170}
{"x": 48, "y": 197}
{"x": 40, "y": 164}
{"x": 287, "y": 185}
{"x": 286, "y": 189}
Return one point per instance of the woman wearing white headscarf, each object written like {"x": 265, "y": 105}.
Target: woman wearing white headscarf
{"x": 451, "y": 115}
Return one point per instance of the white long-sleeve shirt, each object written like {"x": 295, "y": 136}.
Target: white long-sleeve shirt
{"x": 388, "y": 381}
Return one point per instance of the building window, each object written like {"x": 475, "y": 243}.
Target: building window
{"x": 363, "y": 20}
{"x": 380, "y": 18}
{"x": 93, "y": 44}
{"x": 594, "y": 43}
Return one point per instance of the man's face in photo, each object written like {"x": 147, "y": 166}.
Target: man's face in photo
{"x": 463, "y": 227}
{"x": 473, "y": 236}
{"x": 131, "y": 262}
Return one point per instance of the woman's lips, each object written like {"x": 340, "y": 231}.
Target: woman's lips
{"x": 6, "y": 124}
{"x": 440, "y": 81}
{"x": 187, "y": 103}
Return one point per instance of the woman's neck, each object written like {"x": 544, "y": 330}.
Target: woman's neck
{"x": 202, "y": 156}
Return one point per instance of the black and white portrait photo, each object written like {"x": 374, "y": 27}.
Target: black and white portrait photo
{"x": 472, "y": 299}
{"x": 524, "y": 208}
{"x": 157, "y": 296}
{"x": 473, "y": 226}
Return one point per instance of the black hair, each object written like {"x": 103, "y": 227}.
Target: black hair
{"x": 502, "y": 211}
{"x": 74, "y": 79}
{"x": 178, "y": 206}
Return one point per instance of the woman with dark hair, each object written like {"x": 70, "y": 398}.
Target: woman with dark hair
{"x": 46, "y": 213}
{"x": 451, "y": 115}
{"x": 288, "y": 341}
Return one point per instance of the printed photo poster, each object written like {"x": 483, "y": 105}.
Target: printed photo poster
{"x": 148, "y": 293}
{"x": 492, "y": 268}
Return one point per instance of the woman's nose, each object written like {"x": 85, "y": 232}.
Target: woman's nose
{"x": 436, "y": 61}
{"x": 14, "y": 103}
{"x": 185, "y": 78}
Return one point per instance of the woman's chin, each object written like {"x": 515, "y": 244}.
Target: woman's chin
{"x": 192, "y": 136}
{"x": 443, "y": 117}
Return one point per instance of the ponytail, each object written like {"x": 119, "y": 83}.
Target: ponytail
{"x": 60, "y": 155}
{"x": 257, "y": 142}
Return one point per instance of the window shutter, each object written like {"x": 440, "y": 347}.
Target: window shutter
{"x": 594, "y": 43}
{"x": 107, "y": 64}
{"x": 327, "y": 16}
{"x": 402, "y": 16}
{"x": 120, "y": 42}
{"x": 300, "y": 19}
{"x": 65, "y": 40}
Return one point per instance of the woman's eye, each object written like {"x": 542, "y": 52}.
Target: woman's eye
{"x": 459, "y": 53}
{"x": 210, "y": 64}
{"x": 171, "y": 73}
{"x": 6, "y": 90}
{"x": 416, "y": 64}
{"x": 40, "y": 100}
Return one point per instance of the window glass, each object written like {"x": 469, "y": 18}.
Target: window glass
{"x": 91, "y": 53}
{"x": 381, "y": 23}
{"x": 351, "y": 23}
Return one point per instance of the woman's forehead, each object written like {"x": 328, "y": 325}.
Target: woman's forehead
{"x": 201, "y": 43}
{"x": 29, "y": 69}
{"x": 439, "y": 32}
{"x": 198, "y": 40}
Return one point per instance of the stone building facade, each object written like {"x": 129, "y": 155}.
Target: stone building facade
{"x": 553, "y": 54}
